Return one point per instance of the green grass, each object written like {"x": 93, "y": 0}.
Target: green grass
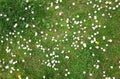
{"x": 58, "y": 47}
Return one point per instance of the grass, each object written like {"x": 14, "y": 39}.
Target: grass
{"x": 46, "y": 45}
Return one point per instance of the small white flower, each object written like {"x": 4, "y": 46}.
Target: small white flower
{"x": 111, "y": 67}
{"x": 97, "y": 66}
{"x": 66, "y": 75}
{"x": 23, "y": 60}
{"x": 26, "y": 8}
{"x": 32, "y": 12}
{"x": 106, "y": 44}
{"x": 104, "y": 50}
{"x": 77, "y": 16}
{"x": 98, "y": 61}
{"x": 60, "y": 13}
{"x": 103, "y": 14}
{"x": 66, "y": 69}
{"x": 90, "y": 74}
{"x": 116, "y": 0}
{"x": 27, "y": 1}
{"x": 1, "y": 14}
{"x": 62, "y": 51}
{"x": 60, "y": 0}
{"x": 95, "y": 11}
{"x": 18, "y": 69}
{"x": 47, "y": 8}
{"x": 97, "y": 47}
{"x": 104, "y": 27}
{"x": 119, "y": 67}
{"x": 114, "y": 8}
{"x": 36, "y": 33}
{"x": 67, "y": 57}
{"x": 103, "y": 38}
{"x": 26, "y": 78}
{"x": 73, "y": 3}
{"x": 5, "y": 15}
{"x": 41, "y": 32}
{"x": 44, "y": 77}
{"x": 6, "y": 67}
{"x": 119, "y": 3}
{"x": 110, "y": 2}
{"x": 56, "y": 7}
{"x": 23, "y": 18}
{"x": 95, "y": 17}
{"x": 84, "y": 72}
{"x": 27, "y": 25}
{"x": 84, "y": 45}
{"x": 33, "y": 26}
{"x": 90, "y": 2}
{"x": 110, "y": 8}
{"x": 7, "y": 19}
{"x": 11, "y": 71}
{"x": 104, "y": 72}
{"x": 110, "y": 40}
{"x": 15, "y": 25}
{"x": 113, "y": 77}
{"x": 93, "y": 54}
{"x": 87, "y": 3}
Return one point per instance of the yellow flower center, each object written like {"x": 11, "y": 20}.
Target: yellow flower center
{"x": 19, "y": 76}
{"x": 97, "y": 42}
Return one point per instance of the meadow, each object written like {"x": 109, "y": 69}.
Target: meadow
{"x": 59, "y": 39}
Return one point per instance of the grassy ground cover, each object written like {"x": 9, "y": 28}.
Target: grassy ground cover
{"x": 59, "y": 39}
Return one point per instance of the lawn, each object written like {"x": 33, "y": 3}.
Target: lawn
{"x": 59, "y": 39}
